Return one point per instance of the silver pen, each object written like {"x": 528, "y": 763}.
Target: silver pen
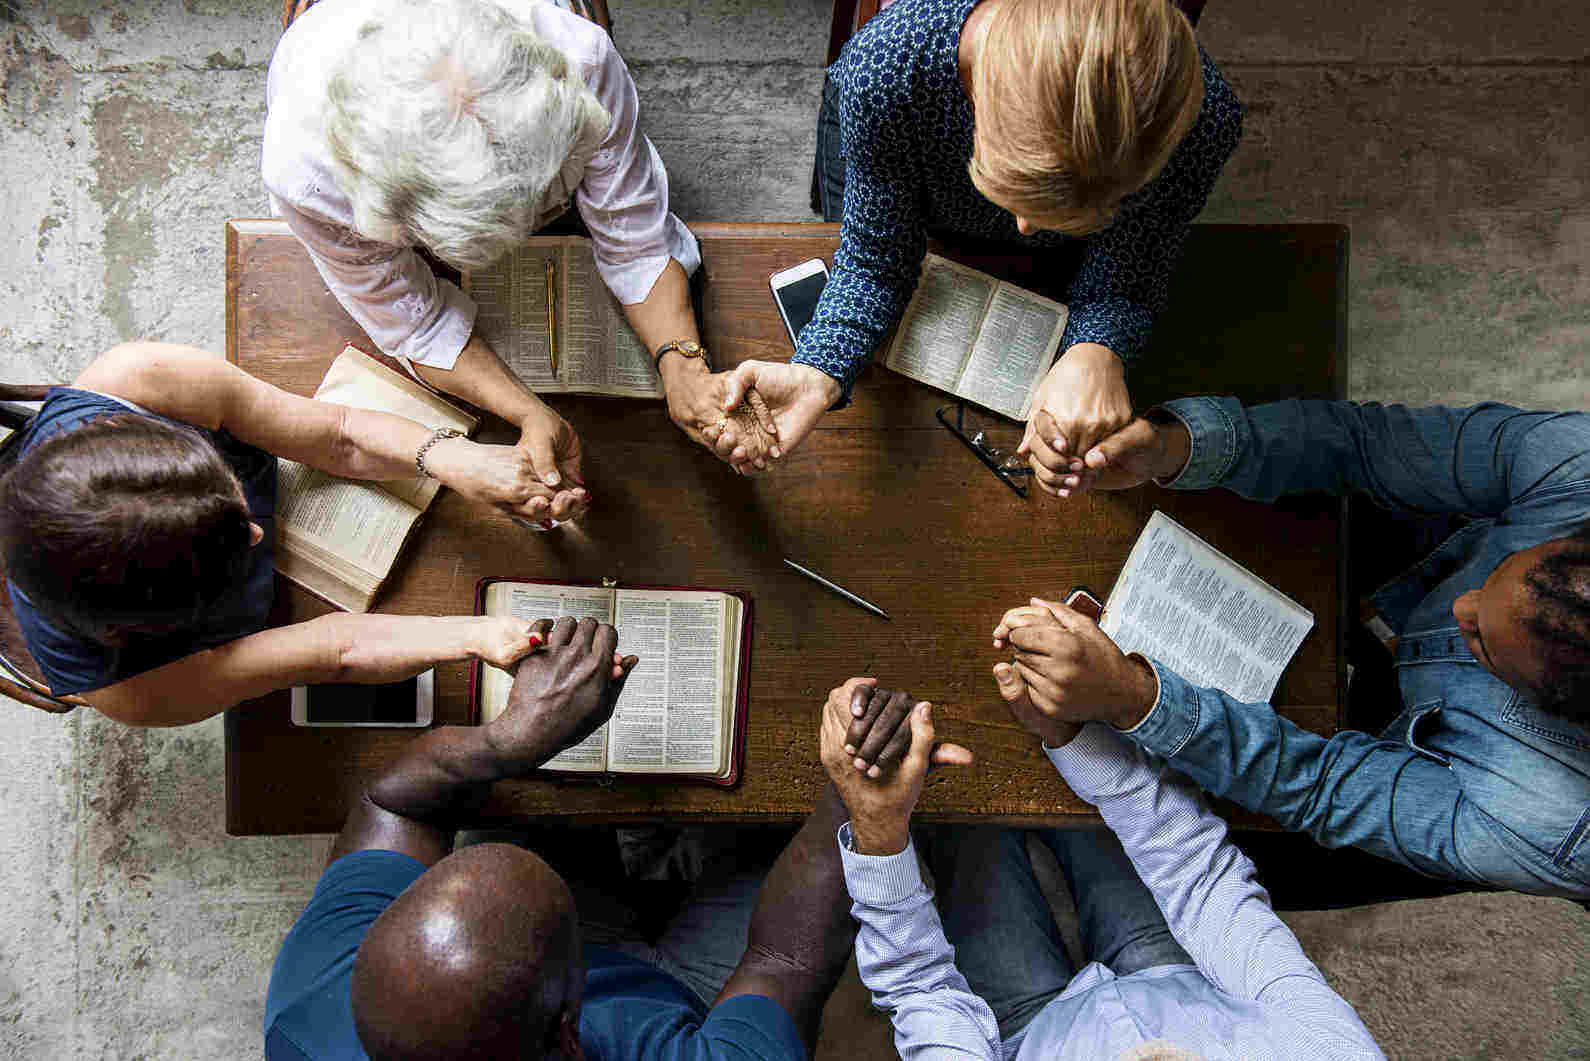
{"x": 841, "y": 590}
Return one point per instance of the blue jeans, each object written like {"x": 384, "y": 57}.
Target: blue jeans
{"x": 1005, "y": 939}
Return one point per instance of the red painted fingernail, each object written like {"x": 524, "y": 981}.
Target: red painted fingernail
{"x": 535, "y": 639}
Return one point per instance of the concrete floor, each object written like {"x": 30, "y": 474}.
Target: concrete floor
{"x": 1453, "y": 137}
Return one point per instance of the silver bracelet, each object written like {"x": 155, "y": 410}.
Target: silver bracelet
{"x": 436, "y": 436}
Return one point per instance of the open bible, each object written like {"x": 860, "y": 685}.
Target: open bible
{"x": 682, "y": 713}
{"x": 977, "y": 337}
{"x": 546, "y": 312}
{"x": 1202, "y": 614}
{"x": 339, "y": 538}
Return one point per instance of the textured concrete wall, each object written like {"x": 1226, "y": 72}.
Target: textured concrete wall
{"x": 1452, "y": 137}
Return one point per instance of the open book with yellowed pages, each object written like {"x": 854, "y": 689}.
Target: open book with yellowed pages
{"x": 339, "y": 538}
{"x": 682, "y": 713}
{"x": 977, "y": 337}
{"x": 546, "y": 312}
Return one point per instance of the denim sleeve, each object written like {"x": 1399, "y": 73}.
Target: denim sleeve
{"x": 1351, "y": 790}
{"x": 881, "y": 239}
{"x": 1124, "y": 279}
{"x": 908, "y": 964}
{"x": 1207, "y": 889}
{"x": 1479, "y": 461}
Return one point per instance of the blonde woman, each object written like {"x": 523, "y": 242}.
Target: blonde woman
{"x": 1091, "y": 130}
{"x": 460, "y": 127}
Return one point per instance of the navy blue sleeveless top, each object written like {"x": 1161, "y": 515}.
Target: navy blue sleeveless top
{"x": 74, "y": 664}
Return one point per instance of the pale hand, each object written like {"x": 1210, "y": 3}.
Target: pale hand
{"x": 706, "y": 406}
{"x": 1082, "y": 401}
{"x": 796, "y": 395}
{"x": 554, "y": 452}
{"x": 880, "y": 806}
{"x": 503, "y": 477}
{"x": 1072, "y": 671}
{"x": 503, "y": 641}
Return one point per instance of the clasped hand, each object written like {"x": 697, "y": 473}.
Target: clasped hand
{"x": 562, "y": 692}
{"x": 537, "y": 479}
{"x": 752, "y": 416}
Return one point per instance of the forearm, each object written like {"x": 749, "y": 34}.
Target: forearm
{"x": 666, "y": 313}
{"x": 801, "y": 933}
{"x": 480, "y": 378}
{"x": 1349, "y": 790}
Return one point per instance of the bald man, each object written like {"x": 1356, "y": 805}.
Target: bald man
{"x": 408, "y": 951}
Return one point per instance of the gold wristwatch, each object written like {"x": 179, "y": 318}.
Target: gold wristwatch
{"x": 684, "y": 348}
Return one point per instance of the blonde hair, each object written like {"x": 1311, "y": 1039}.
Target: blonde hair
{"x": 1078, "y": 104}
{"x": 1159, "y": 1050}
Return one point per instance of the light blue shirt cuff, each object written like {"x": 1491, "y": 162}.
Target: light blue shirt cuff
{"x": 1213, "y": 436}
{"x": 879, "y": 880}
{"x": 1170, "y": 723}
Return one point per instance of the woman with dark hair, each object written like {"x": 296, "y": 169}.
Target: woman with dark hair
{"x": 136, "y": 522}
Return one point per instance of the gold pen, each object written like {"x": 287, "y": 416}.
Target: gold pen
{"x": 552, "y": 319}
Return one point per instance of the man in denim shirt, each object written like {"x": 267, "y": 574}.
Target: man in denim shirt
{"x": 1484, "y": 776}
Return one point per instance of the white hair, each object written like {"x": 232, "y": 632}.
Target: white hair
{"x": 449, "y": 119}
{"x": 1159, "y": 1050}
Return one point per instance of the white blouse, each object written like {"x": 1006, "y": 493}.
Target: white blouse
{"x": 389, "y": 290}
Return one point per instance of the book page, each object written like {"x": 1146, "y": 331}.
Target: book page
{"x": 359, "y": 380}
{"x": 941, "y": 323}
{"x": 670, "y": 718}
{"x": 529, "y": 600}
{"x": 1206, "y": 617}
{"x": 1013, "y": 352}
{"x": 360, "y": 523}
{"x": 603, "y": 353}
{"x": 511, "y": 310}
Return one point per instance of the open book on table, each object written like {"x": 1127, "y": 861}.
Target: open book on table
{"x": 544, "y": 305}
{"x": 682, "y": 713}
{"x": 339, "y": 538}
{"x": 977, "y": 337}
{"x": 1202, "y": 614}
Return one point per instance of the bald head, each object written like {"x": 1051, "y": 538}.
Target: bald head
{"x": 479, "y": 958}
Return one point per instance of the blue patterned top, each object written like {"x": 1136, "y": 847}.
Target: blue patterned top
{"x": 906, "y": 140}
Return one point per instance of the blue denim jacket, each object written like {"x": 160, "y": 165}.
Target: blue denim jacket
{"x": 1472, "y": 781}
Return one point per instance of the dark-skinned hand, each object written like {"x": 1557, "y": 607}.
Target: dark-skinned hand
{"x": 562, "y": 693}
{"x": 900, "y": 729}
{"x": 1071, "y": 670}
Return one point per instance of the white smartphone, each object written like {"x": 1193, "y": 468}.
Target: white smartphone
{"x": 394, "y": 704}
{"x": 796, "y": 291}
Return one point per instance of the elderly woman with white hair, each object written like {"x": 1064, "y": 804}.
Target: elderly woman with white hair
{"x": 464, "y": 126}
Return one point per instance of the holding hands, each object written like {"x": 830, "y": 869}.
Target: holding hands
{"x": 538, "y": 479}
{"x": 865, "y": 732}
{"x": 1081, "y": 402}
{"x": 711, "y": 408}
{"x": 796, "y": 397}
{"x": 561, "y": 694}
{"x": 1066, "y": 672}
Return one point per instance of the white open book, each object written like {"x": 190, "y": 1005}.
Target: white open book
{"x": 338, "y": 538}
{"x": 1202, "y": 614}
{"x": 525, "y": 320}
{"x": 682, "y": 710}
{"x": 977, "y": 337}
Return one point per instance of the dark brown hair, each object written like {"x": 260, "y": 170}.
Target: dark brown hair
{"x": 126, "y": 523}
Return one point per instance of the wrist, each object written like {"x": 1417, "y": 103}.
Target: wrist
{"x": 675, "y": 368}
{"x": 879, "y": 836}
{"x": 1175, "y": 446}
{"x": 1144, "y": 696}
{"x": 820, "y": 386}
{"x": 447, "y": 458}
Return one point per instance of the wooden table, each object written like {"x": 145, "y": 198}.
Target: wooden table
{"x": 880, "y": 498}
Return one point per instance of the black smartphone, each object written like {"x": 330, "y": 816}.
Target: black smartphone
{"x": 796, "y": 291}
{"x": 404, "y": 703}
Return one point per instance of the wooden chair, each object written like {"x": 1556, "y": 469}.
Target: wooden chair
{"x": 850, "y": 15}
{"x": 20, "y": 675}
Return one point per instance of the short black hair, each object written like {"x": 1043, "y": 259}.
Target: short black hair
{"x": 1560, "y": 585}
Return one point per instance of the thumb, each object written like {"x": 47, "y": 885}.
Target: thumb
{"x": 1121, "y": 445}
{"x": 951, "y": 755}
{"x": 742, "y": 379}
{"x": 543, "y": 457}
{"x": 1011, "y": 687}
{"x": 916, "y": 760}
